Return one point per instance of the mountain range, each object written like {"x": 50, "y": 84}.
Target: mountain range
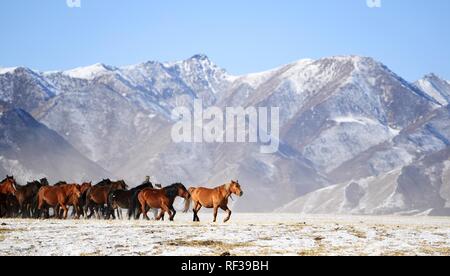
{"x": 355, "y": 137}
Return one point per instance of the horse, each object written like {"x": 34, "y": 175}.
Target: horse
{"x": 213, "y": 198}
{"x": 58, "y": 197}
{"x": 124, "y": 199}
{"x": 8, "y": 189}
{"x": 77, "y": 202}
{"x": 25, "y": 196}
{"x": 162, "y": 199}
{"x": 82, "y": 200}
{"x": 97, "y": 196}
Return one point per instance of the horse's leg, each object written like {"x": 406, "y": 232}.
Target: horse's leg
{"x": 167, "y": 210}
{"x": 197, "y": 209}
{"x": 28, "y": 210}
{"x": 66, "y": 211}
{"x": 226, "y": 209}
{"x": 144, "y": 211}
{"x": 97, "y": 212}
{"x": 155, "y": 213}
{"x": 40, "y": 205}
{"x": 194, "y": 210}
{"x": 76, "y": 211}
{"x": 22, "y": 210}
{"x": 161, "y": 215}
{"x": 130, "y": 213}
{"x": 174, "y": 212}
{"x": 47, "y": 212}
{"x": 216, "y": 209}
{"x": 88, "y": 208}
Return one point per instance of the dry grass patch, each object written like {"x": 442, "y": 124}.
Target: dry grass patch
{"x": 218, "y": 246}
{"x": 91, "y": 254}
{"x": 357, "y": 233}
{"x": 435, "y": 251}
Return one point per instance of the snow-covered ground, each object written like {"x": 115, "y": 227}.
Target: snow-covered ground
{"x": 246, "y": 234}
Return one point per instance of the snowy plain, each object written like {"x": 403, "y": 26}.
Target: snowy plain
{"x": 246, "y": 234}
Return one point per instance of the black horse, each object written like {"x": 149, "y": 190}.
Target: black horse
{"x": 121, "y": 199}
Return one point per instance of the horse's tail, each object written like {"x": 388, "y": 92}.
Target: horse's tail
{"x": 133, "y": 205}
{"x": 187, "y": 202}
{"x": 87, "y": 203}
{"x": 35, "y": 212}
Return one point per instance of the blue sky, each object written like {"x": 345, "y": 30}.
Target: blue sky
{"x": 412, "y": 37}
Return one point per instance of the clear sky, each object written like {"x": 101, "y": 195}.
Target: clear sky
{"x": 412, "y": 37}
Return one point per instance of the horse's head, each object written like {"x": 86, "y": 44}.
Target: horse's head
{"x": 75, "y": 190}
{"x": 9, "y": 185}
{"x": 104, "y": 182}
{"x": 182, "y": 191}
{"x": 119, "y": 185}
{"x": 235, "y": 188}
{"x": 123, "y": 185}
{"x": 85, "y": 186}
{"x": 35, "y": 185}
{"x": 44, "y": 182}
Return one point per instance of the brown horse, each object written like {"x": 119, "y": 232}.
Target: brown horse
{"x": 162, "y": 199}
{"x": 77, "y": 202}
{"x": 8, "y": 190}
{"x": 58, "y": 197}
{"x": 213, "y": 198}
{"x": 97, "y": 196}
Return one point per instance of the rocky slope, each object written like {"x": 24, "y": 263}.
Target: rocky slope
{"x": 345, "y": 120}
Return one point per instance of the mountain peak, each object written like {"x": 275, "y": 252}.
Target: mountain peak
{"x": 12, "y": 70}
{"x": 7, "y": 70}
{"x": 88, "y": 72}
{"x": 200, "y": 57}
{"x": 432, "y": 76}
{"x": 436, "y": 87}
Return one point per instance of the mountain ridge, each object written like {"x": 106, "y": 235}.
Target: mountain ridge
{"x": 338, "y": 114}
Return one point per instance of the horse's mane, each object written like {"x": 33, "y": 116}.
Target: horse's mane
{"x": 143, "y": 186}
{"x": 172, "y": 190}
{"x": 7, "y": 178}
{"x": 104, "y": 182}
{"x": 36, "y": 183}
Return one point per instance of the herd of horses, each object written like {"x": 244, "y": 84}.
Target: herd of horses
{"x": 106, "y": 198}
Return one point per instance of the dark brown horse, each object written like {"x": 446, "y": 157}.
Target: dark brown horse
{"x": 214, "y": 198}
{"x": 26, "y": 195}
{"x": 97, "y": 196}
{"x": 162, "y": 199}
{"x": 58, "y": 197}
{"x": 124, "y": 199}
{"x": 7, "y": 191}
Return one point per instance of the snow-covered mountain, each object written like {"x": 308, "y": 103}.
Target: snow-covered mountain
{"x": 407, "y": 175}
{"x": 436, "y": 88}
{"x": 30, "y": 150}
{"x": 345, "y": 120}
